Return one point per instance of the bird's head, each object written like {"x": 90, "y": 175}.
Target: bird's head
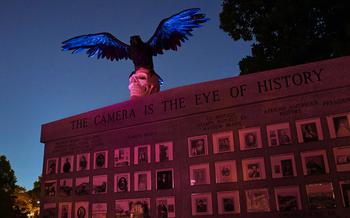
{"x": 135, "y": 40}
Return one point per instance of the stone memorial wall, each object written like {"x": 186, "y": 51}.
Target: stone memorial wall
{"x": 265, "y": 145}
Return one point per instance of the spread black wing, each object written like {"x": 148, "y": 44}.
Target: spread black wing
{"x": 100, "y": 45}
{"x": 175, "y": 29}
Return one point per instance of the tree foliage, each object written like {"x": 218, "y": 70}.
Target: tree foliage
{"x": 287, "y": 32}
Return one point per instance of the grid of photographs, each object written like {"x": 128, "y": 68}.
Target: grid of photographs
{"x": 225, "y": 171}
{"x": 122, "y": 182}
{"x": 342, "y": 158}
{"x": 81, "y": 209}
{"x": 65, "y": 210}
{"x": 132, "y": 208}
{"x": 164, "y": 151}
{"x": 223, "y": 142}
{"x": 199, "y": 174}
{"x": 201, "y": 204}
{"x": 339, "y": 125}
{"x": 320, "y": 196}
{"x": 253, "y": 169}
{"x": 99, "y": 184}
{"x": 100, "y": 159}
{"x": 165, "y": 207}
{"x": 67, "y": 164}
{"x": 250, "y": 138}
{"x": 121, "y": 157}
{"x": 228, "y": 202}
{"x": 309, "y": 130}
{"x": 283, "y": 165}
{"x": 288, "y": 198}
{"x": 142, "y": 181}
{"x": 142, "y": 154}
{"x": 345, "y": 192}
{"x": 279, "y": 134}
{"x": 314, "y": 162}
{"x": 198, "y": 146}
{"x": 257, "y": 200}
{"x": 83, "y": 161}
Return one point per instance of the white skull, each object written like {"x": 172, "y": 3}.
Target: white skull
{"x": 143, "y": 83}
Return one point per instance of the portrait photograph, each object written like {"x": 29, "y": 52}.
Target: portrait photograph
{"x": 279, "y": 134}
{"x": 342, "y": 158}
{"x": 142, "y": 154}
{"x": 100, "y": 159}
{"x": 65, "y": 210}
{"x": 165, "y": 179}
{"x": 164, "y": 151}
{"x": 283, "y": 165}
{"x": 49, "y": 210}
{"x": 250, "y": 138}
{"x": 345, "y": 192}
{"x": 83, "y": 161}
{"x": 225, "y": 171}
{"x": 309, "y": 130}
{"x": 99, "y": 210}
{"x": 223, "y": 142}
{"x": 50, "y": 188}
{"x": 165, "y": 207}
{"x": 67, "y": 164}
{"x": 66, "y": 187}
{"x": 126, "y": 208}
{"x": 339, "y": 125}
{"x": 82, "y": 186}
{"x": 199, "y": 174}
{"x": 142, "y": 181}
{"x": 287, "y": 198}
{"x": 314, "y": 162}
{"x": 228, "y": 202}
{"x": 257, "y": 200}
{"x": 253, "y": 169}
{"x": 99, "y": 184}
{"x": 201, "y": 204}
{"x": 198, "y": 146}
{"x": 122, "y": 182}
{"x": 320, "y": 196}
{"x": 51, "y": 166}
{"x": 121, "y": 157}
{"x": 82, "y": 209}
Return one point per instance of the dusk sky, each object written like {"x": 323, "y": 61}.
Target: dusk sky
{"x": 39, "y": 83}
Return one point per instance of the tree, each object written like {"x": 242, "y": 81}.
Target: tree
{"x": 287, "y": 32}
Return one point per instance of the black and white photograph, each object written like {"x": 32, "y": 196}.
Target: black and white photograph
{"x": 225, "y": 171}
{"x": 137, "y": 207}
{"x": 342, "y": 158}
{"x": 142, "y": 181}
{"x": 165, "y": 179}
{"x": 345, "y": 192}
{"x": 287, "y": 198}
{"x": 253, "y": 169}
{"x": 51, "y": 166}
{"x": 82, "y": 186}
{"x": 283, "y": 165}
{"x": 320, "y": 196}
{"x": 83, "y": 161}
{"x": 339, "y": 125}
{"x": 314, "y": 162}
{"x": 66, "y": 187}
{"x": 100, "y": 159}
{"x": 199, "y": 174}
{"x": 164, "y": 151}
{"x": 223, "y": 142}
{"x": 257, "y": 200}
{"x": 198, "y": 146}
{"x": 309, "y": 130}
{"x": 121, "y": 157}
{"x": 99, "y": 184}
{"x": 250, "y": 138}
{"x": 49, "y": 210}
{"x": 50, "y": 188}
{"x": 279, "y": 134}
{"x": 67, "y": 164}
{"x": 165, "y": 207}
{"x": 228, "y": 202}
{"x": 122, "y": 182}
{"x": 82, "y": 209}
{"x": 65, "y": 210}
{"x": 142, "y": 154}
{"x": 99, "y": 210}
{"x": 201, "y": 204}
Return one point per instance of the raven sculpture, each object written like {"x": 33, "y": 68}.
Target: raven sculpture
{"x": 168, "y": 35}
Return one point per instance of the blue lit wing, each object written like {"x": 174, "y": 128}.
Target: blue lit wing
{"x": 100, "y": 45}
{"x": 175, "y": 29}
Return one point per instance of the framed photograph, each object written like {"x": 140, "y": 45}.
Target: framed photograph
{"x": 121, "y": 157}
{"x": 309, "y": 130}
{"x": 49, "y": 210}
{"x": 345, "y": 192}
{"x": 320, "y": 195}
{"x": 165, "y": 207}
{"x": 228, "y": 202}
{"x": 99, "y": 210}
{"x": 165, "y": 179}
{"x": 65, "y": 210}
{"x": 342, "y": 158}
{"x": 66, "y": 187}
{"x": 50, "y": 188}
{"x": 142, "y": 181}
{"x": 99, "y": 184}
{"x": 223, "y": 142}
{"x": 81, "y": 209}
{"x": 67, "y": 164}
{"x": 198, "y": 146}
{"x": 199, "y": 174}
{"x": 122, "y": 182}
{"x": 100, "y": 159}
{"x": 279, "y": 134}
{"x": 314, "y": 162}
{"x": 82, "y": 186}
{"x": 51, "y": 166}
{"x": 257, "y": 200}
{"x": 283, "y": 165}
{"x": 83, "y": 161}
{"x": 225, "y": 171}
{"x": 339, "y": 125}
{"x": 201, "y": 204}
{"x": 250, "y": 138}
{"x": 253, "y": 169}
{"x": 164, "y": 152}
{"x": 287, "y": 198}
{"x": 138, "y": 207}
{"x": 142, "y": 154}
